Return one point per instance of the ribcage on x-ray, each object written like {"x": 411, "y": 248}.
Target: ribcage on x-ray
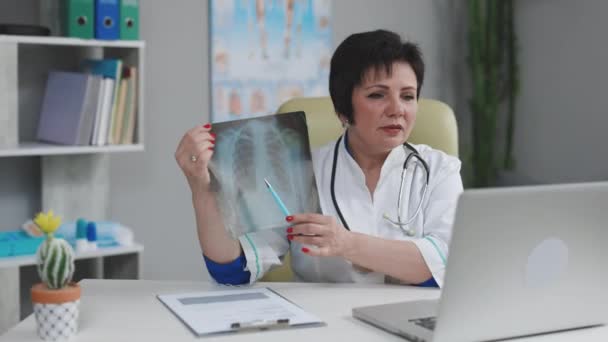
{"x": 252, "y": 152}
{"x": 276, "y": 151}
{"x": 244, "y": 155}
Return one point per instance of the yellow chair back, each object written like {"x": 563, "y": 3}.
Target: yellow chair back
{"x": 435, "y": 123}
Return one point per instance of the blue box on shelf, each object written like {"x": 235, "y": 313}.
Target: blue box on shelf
{"x": 17, "y": 242}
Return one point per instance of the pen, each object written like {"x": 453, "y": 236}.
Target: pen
{"x": 281, "y": 204}
{"x": 260, "y": 324}
{"x": 277, "y": 198}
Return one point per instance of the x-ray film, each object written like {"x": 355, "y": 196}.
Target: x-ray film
{"x": 247, "y": 151}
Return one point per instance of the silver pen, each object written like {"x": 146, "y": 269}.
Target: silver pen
{"x": 260, "y": 324}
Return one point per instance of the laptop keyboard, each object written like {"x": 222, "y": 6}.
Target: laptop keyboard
{"x": 426, "y": 322}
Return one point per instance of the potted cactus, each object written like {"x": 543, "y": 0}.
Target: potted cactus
{"x": 56, "y": 299}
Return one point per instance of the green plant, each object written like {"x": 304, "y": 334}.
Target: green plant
{"x": 55, "y": 255}
{"x": 494, "y": 72}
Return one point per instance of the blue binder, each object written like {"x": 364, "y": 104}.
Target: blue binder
{"x": 107, "y": 19}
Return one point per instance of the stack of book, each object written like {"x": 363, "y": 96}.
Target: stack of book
{"x": 95, "y": 107}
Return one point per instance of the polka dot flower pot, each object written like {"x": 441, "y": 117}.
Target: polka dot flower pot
{"x": 56, "y": 311}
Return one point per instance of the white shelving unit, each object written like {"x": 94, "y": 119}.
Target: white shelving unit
{"x": 30, "y": 260}
{"x": 69, "y": 174}
{"x": 35, "y": 148}
{"x": 66, "y": 41}
{"x": 24, "y": 65}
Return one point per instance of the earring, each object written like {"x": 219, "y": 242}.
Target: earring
{"x": 346, "y": 123}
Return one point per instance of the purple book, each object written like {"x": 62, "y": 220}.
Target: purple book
{"x": 63, "y": 108}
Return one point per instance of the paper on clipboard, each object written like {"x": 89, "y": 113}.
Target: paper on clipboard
{"x": 234, "y": 310}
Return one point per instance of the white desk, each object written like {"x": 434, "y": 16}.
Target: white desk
{"x": 128, "y": 310}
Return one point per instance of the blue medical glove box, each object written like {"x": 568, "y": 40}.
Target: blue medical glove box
{"x": 17, "y": 242}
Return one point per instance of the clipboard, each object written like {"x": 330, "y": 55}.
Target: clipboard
{"x": 237, "y": 310}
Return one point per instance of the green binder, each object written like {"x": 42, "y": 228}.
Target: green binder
{"x": 129, "y": 19}
{"x": 78, "y": 18}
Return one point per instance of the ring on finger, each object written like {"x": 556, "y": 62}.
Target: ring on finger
{"x": 193, "y": 158}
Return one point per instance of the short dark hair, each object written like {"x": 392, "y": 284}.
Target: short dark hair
{"x": 361, "y": 51}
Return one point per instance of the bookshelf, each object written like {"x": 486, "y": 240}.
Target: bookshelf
{"x": 74, "y": 180}
{"x": 35, "y": 148}
{"x": 69, "y": 174}
{"x": 24, "y": 65}
{"x": 68, "y": 41}
{"x": 30, "y": 260}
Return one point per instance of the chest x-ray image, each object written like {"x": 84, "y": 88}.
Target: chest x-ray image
{"x": 248, "y": 151}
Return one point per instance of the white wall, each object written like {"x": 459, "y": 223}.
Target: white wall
{"x": 562, "y": 116}
{"x": 148, "y": 190}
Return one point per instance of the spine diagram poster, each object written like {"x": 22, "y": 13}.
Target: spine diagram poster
{"x": 264, "y": 52}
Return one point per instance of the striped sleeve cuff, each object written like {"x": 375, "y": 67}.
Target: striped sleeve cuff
{"x": 262, "y": 250}
{"x": 434, "y": 253}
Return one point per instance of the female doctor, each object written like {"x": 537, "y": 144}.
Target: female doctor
{"x": 388, "y": 206}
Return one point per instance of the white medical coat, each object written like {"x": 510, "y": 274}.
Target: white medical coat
{"x": 433, "y": 225}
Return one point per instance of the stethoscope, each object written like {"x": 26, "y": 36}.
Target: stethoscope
{"x": 398, "y": 223}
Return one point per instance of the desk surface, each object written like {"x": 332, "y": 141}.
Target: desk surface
{"x": 128, "y": 310}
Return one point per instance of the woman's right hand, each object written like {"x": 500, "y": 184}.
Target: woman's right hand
{"x": 193, "y": 155}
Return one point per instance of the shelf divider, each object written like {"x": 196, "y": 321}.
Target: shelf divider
{"x": 9, "y": 121}
{"x": 69, "y": 41}
{"x": 9, "y": 302}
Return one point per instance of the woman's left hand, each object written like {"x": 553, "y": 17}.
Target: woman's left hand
{"x": 320, "y": 231}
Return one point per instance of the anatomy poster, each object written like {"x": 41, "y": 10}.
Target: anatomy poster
{"x": 247, "y": 151}
{"x": 264, "y": 52}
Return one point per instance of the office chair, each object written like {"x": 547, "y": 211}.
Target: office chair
{"x": 435, "y": 126}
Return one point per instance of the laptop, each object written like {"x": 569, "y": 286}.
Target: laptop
{"x": 523, "y": 261}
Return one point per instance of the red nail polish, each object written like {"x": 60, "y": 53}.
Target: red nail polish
{"x": 212, "y": 135}
{"x": 210, "y": 148}
{"x": 207, "y": 126}
{"x": 305, "y": 250}
{"x": 290, "y": 230}
{"x": 212, "y": 141}
{"x": 290, "y": 237}
{"x": 289, "y": 218}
